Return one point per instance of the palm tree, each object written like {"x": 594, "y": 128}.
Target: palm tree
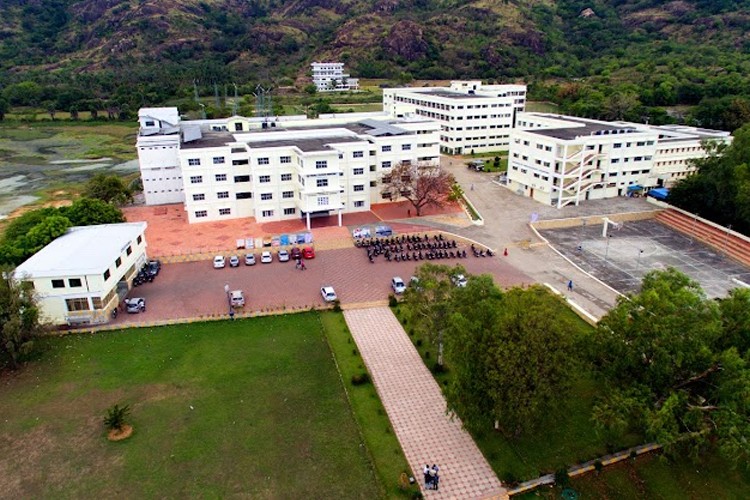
{"x": 115, "y": 419}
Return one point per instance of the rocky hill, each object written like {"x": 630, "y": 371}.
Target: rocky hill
{"x": 247, "y": 40}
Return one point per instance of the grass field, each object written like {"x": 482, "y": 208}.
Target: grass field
{"x": 249, "y": 408}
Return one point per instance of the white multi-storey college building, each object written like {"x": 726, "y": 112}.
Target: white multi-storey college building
{"x": 560, "y": 160}
{"x": 286, "y": 169}
{"x": 82, "y": 275}
{"x": 473, "y": 117}
{"x": 330, "y": 77}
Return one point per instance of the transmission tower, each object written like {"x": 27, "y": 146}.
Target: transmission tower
{"x": 263, "y": 103}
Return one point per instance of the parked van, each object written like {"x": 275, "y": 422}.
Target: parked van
{"x": 237, "y": 298}
{"x": 477, "y": 165}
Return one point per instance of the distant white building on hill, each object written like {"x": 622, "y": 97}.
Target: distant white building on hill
{"x": 561, "y": 160}
{"x": 330, "y": 77}
{"x": 473, "y": 117}
{"x": 81, "y": 276}
{"x": 284, "y": 168}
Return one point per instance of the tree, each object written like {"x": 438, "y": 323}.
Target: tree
{"x": 671, "y": 370}
{"x": 429, "y": 302}
{"x": 88, "y": 212}
{"x": 422, "y": 185}
{"x": 19, "y": 320}
{"x": 108, "y": 188}
{"x": 4, "y": 108}
{"x": 512, "y": 362}
{"x": 46, "y": 231}
{"x": 311, "y": 89}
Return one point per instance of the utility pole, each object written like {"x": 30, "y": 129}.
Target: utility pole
{"x": 236, "y": 103}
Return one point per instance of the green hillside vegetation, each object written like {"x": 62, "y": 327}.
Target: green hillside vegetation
{"x": 607, "y": 59}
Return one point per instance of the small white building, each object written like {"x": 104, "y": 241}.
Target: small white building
{"x": 330, "y": 77}
{"x": 158, "y": 147}
{"x": 82, "y": 275}
{"x": 292, "y": 167}
{"x": 561, "y": 160}
{"x": 473, "y": 117}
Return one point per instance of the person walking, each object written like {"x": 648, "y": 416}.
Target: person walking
{"x": 570, "y": 285}
{"x": 426, "y": 477}
{"x": 302, "y": 266}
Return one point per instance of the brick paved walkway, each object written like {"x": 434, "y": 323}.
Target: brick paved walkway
{"x": 416, "y": 408}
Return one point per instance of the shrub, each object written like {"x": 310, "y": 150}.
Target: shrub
{"x": 438, "y": 368}
{"x": 562, "y": 479}
{"x": 427, "y": 355}
{"x": 598, "y": 466}
{"x": 337, "y": 305}
{"x": 360, "y": 378}
{"x": 633, "y": 454}
{"x": 509, "y": 479}
{"x": 419, "y": 342}
{"x": 403, "y": 481}
{"x": 115, "y": 418}
{"x": 392, "y": 300}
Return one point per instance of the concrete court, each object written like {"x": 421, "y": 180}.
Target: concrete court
{"x": 622, "y": 259}
{"x": 506, "y": 225}
{"x": 416, "y": 409}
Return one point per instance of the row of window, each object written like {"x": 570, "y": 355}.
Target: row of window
{"x": 437, "y": 105}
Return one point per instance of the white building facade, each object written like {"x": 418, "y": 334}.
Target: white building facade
{"x": 473, "y": 117}
{"x": 80, "y": 277}
{"x": 293, "y": 168}
{"x": 561, "y": 160}
{"x": 330, "y": 77}
{"x": 158, "y": 147}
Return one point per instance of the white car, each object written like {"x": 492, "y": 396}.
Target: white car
{"x": 250, "y": 259}
{"x": 398, "y": 285}
{"x": 459, "y": 280}
{"x": 234, "y": 261}
{"x": 219, "y": 262}
{"x": 328, "y": 294}
{"x": 283, "y": 256}
{"x": 237, "y": 298}
{"x": 266, "y": 257}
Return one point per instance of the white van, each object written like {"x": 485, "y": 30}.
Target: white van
{"x": 237, "y": 298}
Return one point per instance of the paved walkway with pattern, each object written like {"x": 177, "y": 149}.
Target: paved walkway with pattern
{"x": 416, "y": 408}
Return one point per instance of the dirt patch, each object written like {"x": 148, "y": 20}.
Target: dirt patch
{"x": 120, "y": 434}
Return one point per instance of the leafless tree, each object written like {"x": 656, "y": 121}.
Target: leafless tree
{"x": 421, "y": 184}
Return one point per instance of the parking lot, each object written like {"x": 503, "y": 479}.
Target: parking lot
{"x": 638, "y": 247}
{"x": 196, "y": 289}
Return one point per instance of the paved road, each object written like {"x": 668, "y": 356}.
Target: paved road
{"x": 506, "y": 225}
{"x": 416, "y": 409}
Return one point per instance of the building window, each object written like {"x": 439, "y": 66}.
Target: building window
{"x": 106, "y": 275}
{"x": 359, "y": 171}
{"x": 359, "y": 187}
{"x": 267, "y": 213}
{"x": 81, "y": 304}
{"x": 290, "y": 211}
{"x": 386, "y": 164}
{"x": 358, "y": 154}
{"x": 373, "y": 184}
{"x": 221, "y": 177}
{"x": 194, "y": 162}
{"x": 196, "y": 179}
{"x": 128, "y": 250}
{"x": 266, "y": 196}
{"x": 225, "y": 211}
{"x": 222, "y": 195}
{"x": 321, "y": 164}
{"x": 244, "y": 195}
{"x": 405, "y": 147}
{"x": 240, "y": 162}
{"x": 118, "y": 262}
{"x": 97, "y": 302}
{"x": 287, "y": 194}
{"x": 139, "y": 239}
{"x": 241, "y": 178}
{"x": 263, "y": 161}
{"x": 264, "y": 178}
{"x": 199, "y": 197}
{"x": 201, "y": 213}
{"x": 58, "y": 283}
{"x": 322, "y": 201}
{"x": 285, "y": 159}
{"x": 385, "y": 149}
{"x": 218, "y": 160}
{"x": 286, "y": 177}
{"x": 150, "y": 123}
{"x": 358, "y": 204}
{"x": 321, "y": 182}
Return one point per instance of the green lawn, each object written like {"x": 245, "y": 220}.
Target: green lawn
{"x": 250, "y": 408}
